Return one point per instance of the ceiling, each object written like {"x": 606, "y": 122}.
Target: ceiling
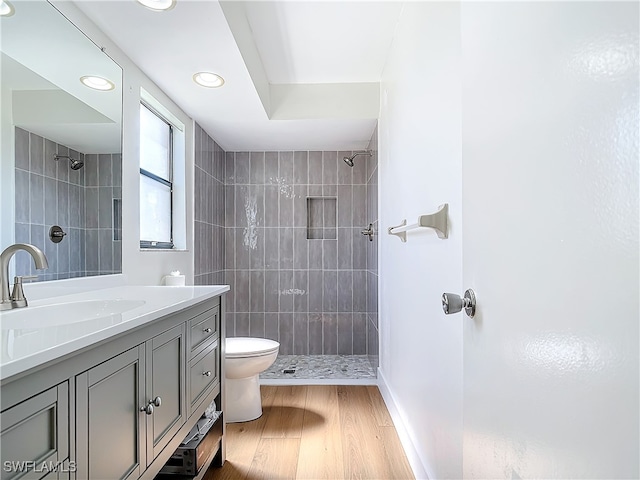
{"x": 299, "y": 75}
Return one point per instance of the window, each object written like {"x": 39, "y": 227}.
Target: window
{"x": 156, "y": 180}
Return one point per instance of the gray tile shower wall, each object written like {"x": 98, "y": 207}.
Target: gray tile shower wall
{"x": 209, "y": 211}
{"x": 372, "y": 253}
{"x": 103, "y": 213}
{"x": 48, "y": 193}
{"x": 297, "y": 274}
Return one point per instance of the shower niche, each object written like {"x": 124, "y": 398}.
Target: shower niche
{"x": 322, "y": 218}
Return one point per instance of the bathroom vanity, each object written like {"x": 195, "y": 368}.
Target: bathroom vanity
{"x": 113, "y": 395}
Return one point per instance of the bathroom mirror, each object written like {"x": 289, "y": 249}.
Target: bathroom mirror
{"x": 61, "y": 146}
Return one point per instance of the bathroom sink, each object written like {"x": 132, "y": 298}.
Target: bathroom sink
{"x": 44, "y": 316}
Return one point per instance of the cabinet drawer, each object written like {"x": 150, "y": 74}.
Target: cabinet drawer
{"x": 35, "y": 435}
{"x": 203, "y": 373}
{"x": 203, "y": 328}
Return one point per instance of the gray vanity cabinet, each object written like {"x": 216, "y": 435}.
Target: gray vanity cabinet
{"x": 131, "y": 406}
{"x": 119, "y": 409}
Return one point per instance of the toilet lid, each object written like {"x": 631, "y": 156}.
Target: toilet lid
{"x": 240, "y": 347}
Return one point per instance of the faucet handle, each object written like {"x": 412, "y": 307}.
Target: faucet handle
{"x": 21, "y": 278}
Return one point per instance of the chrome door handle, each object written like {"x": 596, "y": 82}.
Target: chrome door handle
{"x": 207, "y": 330}
{"x": 452, "y": 303}
{"x": 156, "y": 401}
{"x": 206, "y": 374}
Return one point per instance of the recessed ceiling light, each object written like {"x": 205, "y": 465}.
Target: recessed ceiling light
{"x": 97, "y": 83}
{"x": 6, "y": 9}
{"x": 158, "y": 5}
{"x": 208, "y": 79}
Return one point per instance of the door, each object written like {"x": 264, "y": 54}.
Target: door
{"x": 165, "y": 386}
{"x": 110, "y": 426}
{"x": 550, "y": 221}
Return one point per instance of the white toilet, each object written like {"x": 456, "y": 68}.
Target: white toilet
{"x": 245, "y": 358}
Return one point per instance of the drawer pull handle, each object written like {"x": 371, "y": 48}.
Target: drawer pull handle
{"x": 156, "y": 401}
{"x": 148, "y": 409}
{"x": 206, "y": 374}
{"x": 207, "y": 330}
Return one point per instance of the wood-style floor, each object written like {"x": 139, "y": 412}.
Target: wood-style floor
{"x": 315, "y": 432}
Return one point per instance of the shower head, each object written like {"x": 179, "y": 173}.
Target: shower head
{"x": 349, "y": 160}
{"x": 75, "y": 164}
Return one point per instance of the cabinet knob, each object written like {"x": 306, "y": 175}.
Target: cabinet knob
{"x": 206, "y": 374}
{"x": 156, "y": 401}
{"x": 148, "y": 409}
{"x": 207, "y": 330}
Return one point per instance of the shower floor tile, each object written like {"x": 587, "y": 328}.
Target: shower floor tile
{"x": 320, "y": 367}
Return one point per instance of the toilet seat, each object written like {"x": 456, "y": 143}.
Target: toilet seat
{"x": 246, "y": 347}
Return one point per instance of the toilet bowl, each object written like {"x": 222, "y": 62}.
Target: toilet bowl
{"x": 245, "y": 358}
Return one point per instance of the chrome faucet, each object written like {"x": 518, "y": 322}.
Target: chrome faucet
{"x": 16, "y": 299}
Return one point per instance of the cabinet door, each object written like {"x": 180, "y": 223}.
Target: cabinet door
{"x": 165, "y": 382}
{"x": 110, "y": 425}
{"x": 35, "y": 436}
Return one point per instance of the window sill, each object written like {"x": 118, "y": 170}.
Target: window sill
{"x": 168, "y": 250}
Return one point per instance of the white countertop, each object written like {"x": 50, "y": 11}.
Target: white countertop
{"x": 25, "y": 348}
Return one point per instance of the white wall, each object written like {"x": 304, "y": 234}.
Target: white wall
{"x": 420, "y": 169}
{"x": 524, "y": 118}
{"x": 141, "y": 267}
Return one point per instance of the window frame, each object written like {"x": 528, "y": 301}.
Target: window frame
{"x": 155, "y": 244}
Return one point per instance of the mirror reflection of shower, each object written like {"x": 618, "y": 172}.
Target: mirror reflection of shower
{"x": 349, "y": 160}
{"x": 75, "y": 164}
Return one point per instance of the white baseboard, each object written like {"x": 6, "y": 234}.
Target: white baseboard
{"x": 418, "y": 467}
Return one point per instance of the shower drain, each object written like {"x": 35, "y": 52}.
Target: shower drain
{"x": 289, "y": 370}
